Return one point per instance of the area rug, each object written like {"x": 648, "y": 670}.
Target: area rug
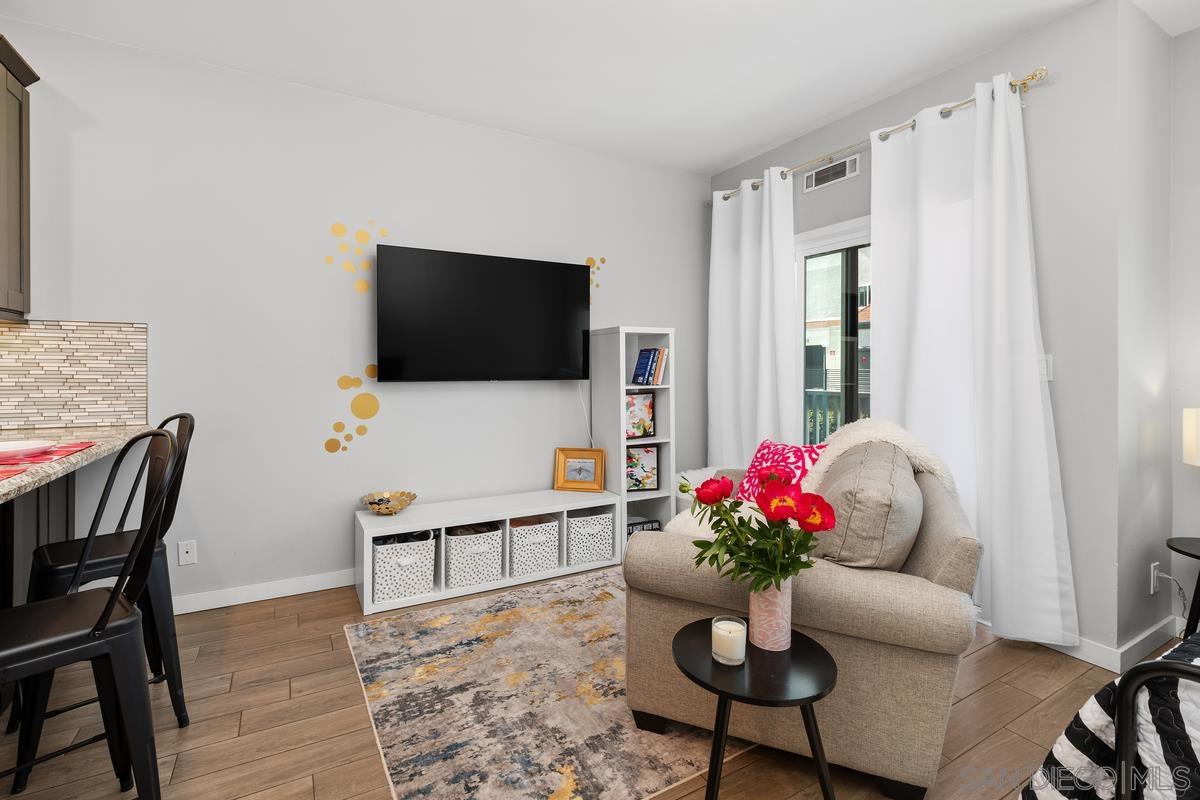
{"x": 519, "y": 694}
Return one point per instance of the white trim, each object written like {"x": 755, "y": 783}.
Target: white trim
{"x": 235, "y": 595}
{"x": 1119, "y": 659}
{"x": 837, "y": 236}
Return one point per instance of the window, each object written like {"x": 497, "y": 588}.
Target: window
{"x": 837, "y": 327}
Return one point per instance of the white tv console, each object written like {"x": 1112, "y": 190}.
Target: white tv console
{"x": 502, "y": 508}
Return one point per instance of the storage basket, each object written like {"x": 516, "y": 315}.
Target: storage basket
{"x": 474, "y": 555}
{"x": 532, "y": 545}
{"x": 589, "y": 536}
{"x": 403, "y": 565}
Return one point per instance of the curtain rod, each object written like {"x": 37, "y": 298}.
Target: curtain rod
{"x": 1017, "y": 85}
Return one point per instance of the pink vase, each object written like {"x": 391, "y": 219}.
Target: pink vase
{"x": 771, "y": 617}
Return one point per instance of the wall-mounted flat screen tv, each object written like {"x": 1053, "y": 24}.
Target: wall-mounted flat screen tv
{"x": 446, "y": 316}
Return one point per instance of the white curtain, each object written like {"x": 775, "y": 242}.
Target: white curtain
{"x": 956, "y": 341}
{"x": 754, "y": 361}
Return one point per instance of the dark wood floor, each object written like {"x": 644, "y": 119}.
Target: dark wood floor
{"x": 278, "y": 714}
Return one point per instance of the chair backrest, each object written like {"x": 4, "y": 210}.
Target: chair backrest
{"x": 185, "y": 424}
{"x": 946, "y": 551}
{"x": 157, "y": 466}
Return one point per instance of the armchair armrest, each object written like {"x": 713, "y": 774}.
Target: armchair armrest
{"x": 876, "y": 605}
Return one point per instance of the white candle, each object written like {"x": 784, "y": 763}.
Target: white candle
{"x": 729, "y": 640}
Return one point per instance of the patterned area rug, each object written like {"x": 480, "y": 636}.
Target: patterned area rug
{"x": 520, "y": 694}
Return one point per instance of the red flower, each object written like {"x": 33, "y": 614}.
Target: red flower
{"x": 778, "y": 500}
{"x": 815, "y": 514}
{"x": 768, "y": 474}
{"x": 714, "y": 490}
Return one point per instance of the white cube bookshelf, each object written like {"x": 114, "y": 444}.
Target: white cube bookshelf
{"x": 613, "y": 356}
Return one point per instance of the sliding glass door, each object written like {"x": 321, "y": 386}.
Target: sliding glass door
{"x": 837, "y": 340}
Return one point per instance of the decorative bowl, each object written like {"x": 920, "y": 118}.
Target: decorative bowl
{"x": 388, "y": 503}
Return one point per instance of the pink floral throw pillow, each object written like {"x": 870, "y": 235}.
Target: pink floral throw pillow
{"x": 787, "y": 460}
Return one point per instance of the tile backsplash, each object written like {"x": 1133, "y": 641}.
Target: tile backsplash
{"x": 58, "y": 374}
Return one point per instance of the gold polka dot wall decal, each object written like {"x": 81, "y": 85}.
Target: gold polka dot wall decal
{"x": 356, "y": 258}
{"x": 364, "y": 405}
{"x": 594, "y": 268}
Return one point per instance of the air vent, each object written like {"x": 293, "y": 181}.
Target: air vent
{"x": 837, "y": 171}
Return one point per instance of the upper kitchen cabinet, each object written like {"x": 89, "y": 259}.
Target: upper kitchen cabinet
{"x": 14, "y": 184}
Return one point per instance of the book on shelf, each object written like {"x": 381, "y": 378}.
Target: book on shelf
{"x": 660, "y": 369}
{"x": 651, "y": 366}
{"x": 643, "y": 365}
{"x": 635, "y": 524}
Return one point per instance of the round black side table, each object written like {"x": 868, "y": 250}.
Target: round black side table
{"x": 799, "y": 676}
{"x": 1189, "y": 546}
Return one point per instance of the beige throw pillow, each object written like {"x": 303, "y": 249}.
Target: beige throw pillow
{"x": 878, "y": 504}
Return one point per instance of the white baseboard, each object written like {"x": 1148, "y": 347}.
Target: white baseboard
{"x": 235, "y": 595}
{"x": 1119, "y": 659}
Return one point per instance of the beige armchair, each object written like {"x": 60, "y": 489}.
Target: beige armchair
{"x": 896, "y": 636}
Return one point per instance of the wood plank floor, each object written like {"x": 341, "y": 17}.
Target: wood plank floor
{"x": 277, "y": 714}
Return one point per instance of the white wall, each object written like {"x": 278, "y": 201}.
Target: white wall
{"x": 1143, "y": 97}
{"x": 199, "y": 200}
{"x": 1185, "y": 287}
{"x": 1070, "y": 140}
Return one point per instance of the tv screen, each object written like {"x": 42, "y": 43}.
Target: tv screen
{"x": 457, "y": 317}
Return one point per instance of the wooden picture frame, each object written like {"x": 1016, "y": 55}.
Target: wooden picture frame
{"x": 572, "y": 472}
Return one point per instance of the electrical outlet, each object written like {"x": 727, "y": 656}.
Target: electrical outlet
{"x": 187, "y": 552}
{"x": 1154, "y": 578}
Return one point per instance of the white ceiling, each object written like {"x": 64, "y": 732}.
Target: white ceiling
{"x": 695, "y": 84}
{"x": 1173, "y": 16}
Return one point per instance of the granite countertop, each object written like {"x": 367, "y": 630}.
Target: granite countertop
{"x": 108, "y": 439}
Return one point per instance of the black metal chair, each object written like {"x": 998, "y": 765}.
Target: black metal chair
{"x": 102, "y": 626}
{"x": 54, "y": 566}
